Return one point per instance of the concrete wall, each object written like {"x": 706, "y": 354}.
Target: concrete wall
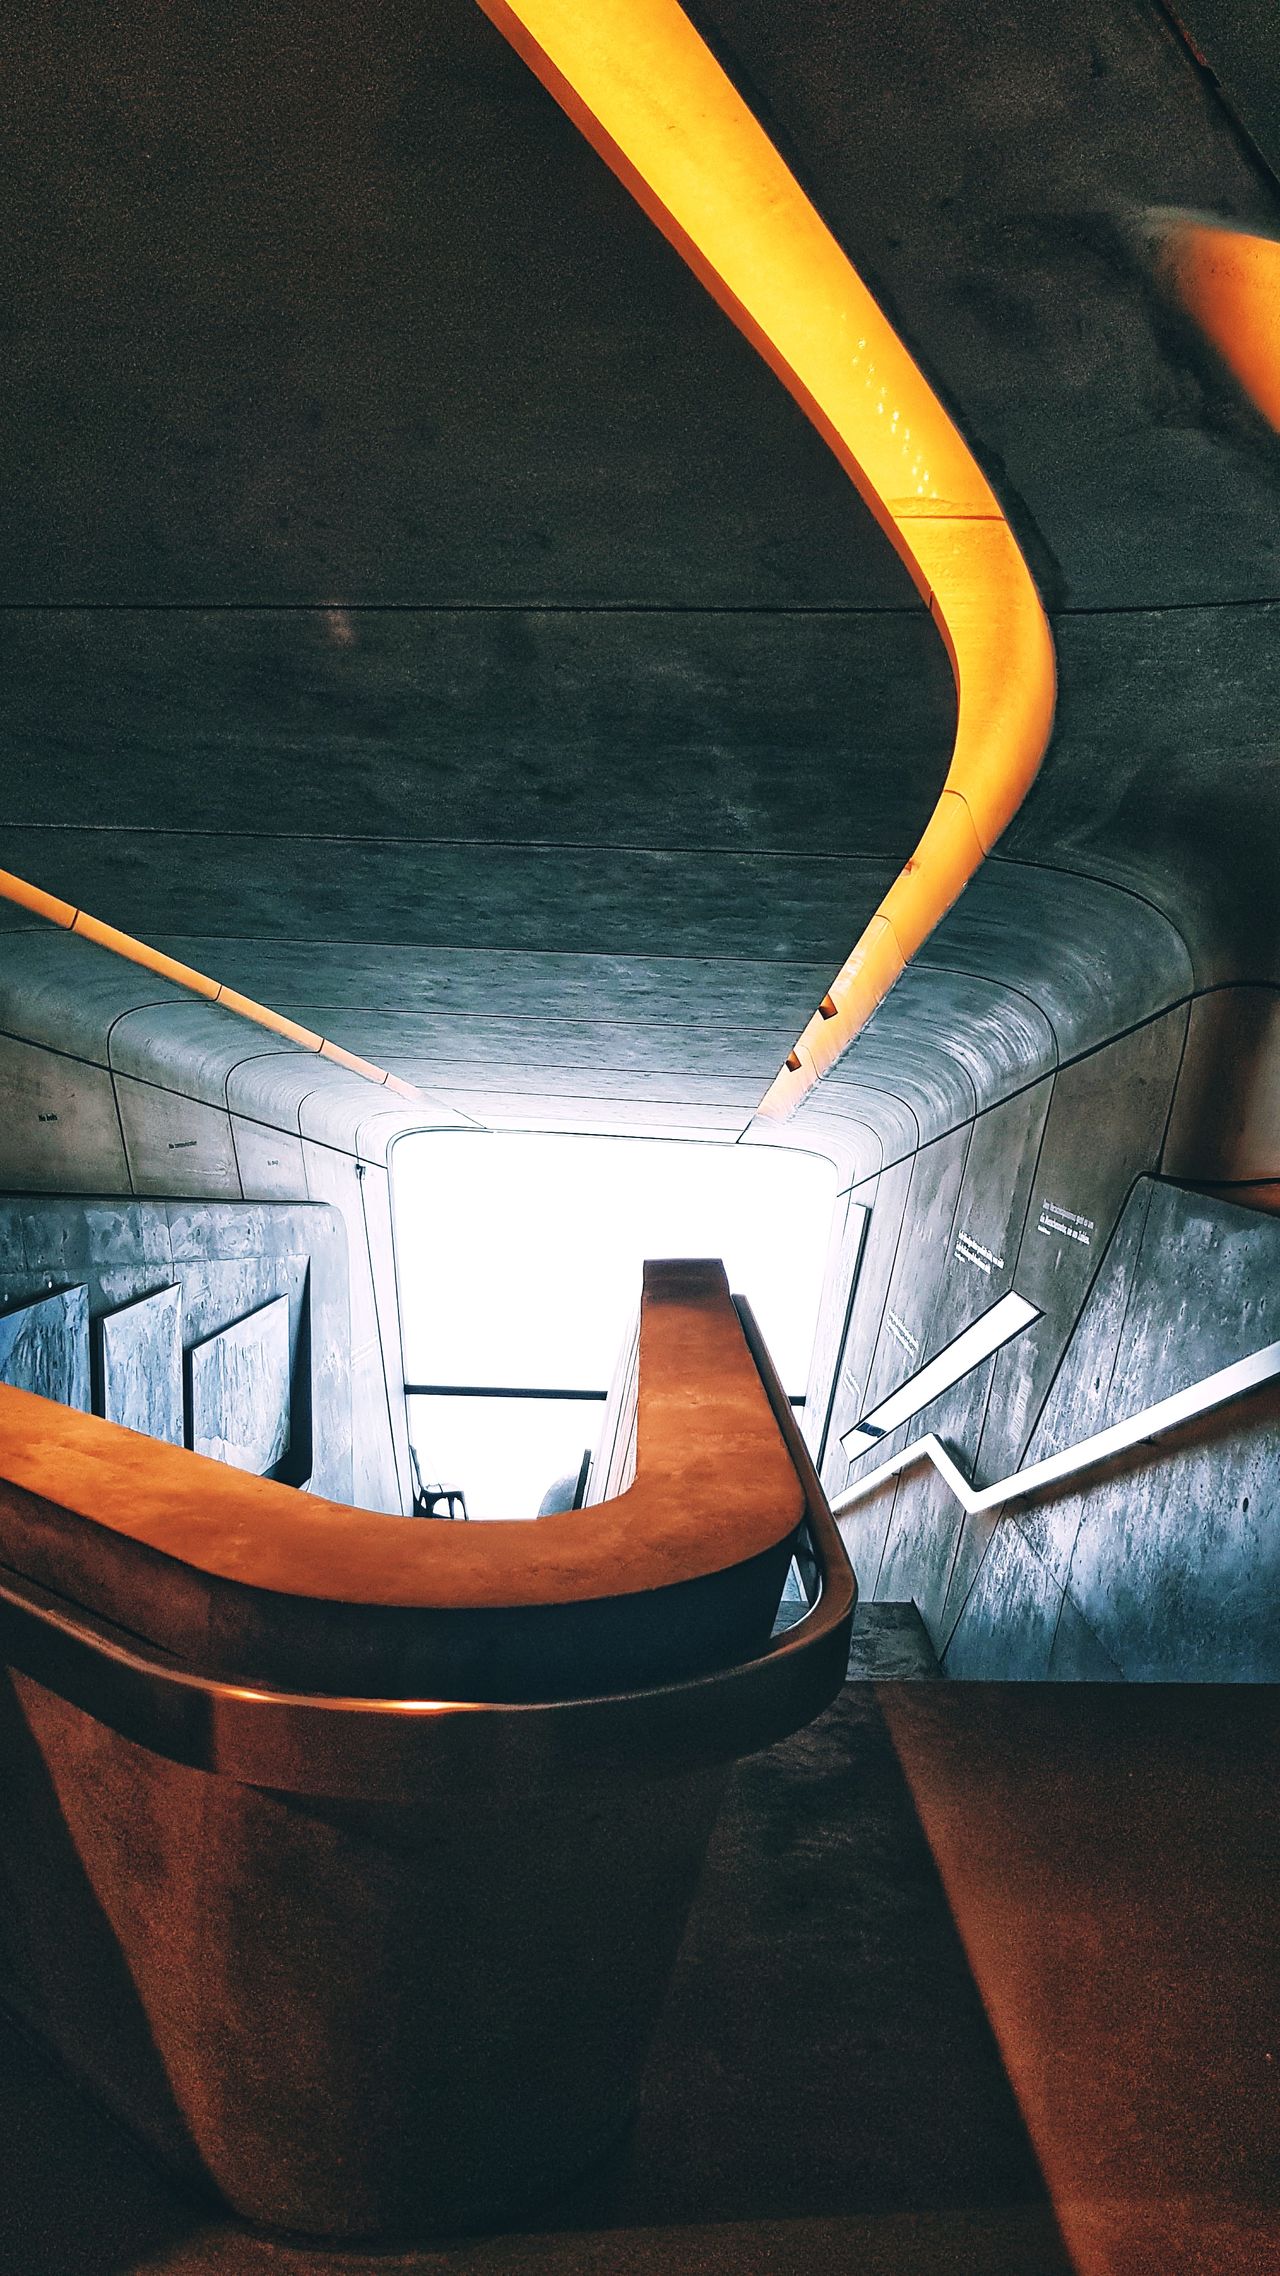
{"x": 228, "y": 1259}
{"x": 1009, "y": 1150}
{"x": 1120, "y": 1195}
{"x": 120, "y": 1084}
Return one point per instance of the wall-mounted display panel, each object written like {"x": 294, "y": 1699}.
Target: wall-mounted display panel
{"x": 140, "y": 1366}
{"x": 44, "y": 1347}
{"x": 239, "y": 1391}
{"x": 226, "y": 1260}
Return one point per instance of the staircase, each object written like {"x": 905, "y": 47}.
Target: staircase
{"x": 889, "y": 1644}
{"x": 974, "y": 1969}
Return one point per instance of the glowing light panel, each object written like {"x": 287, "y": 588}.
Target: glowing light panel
{"x": 975, "y": 1343}
{"x": 1230, "y": 282}
{"x": 1218, "y": 1390}
{"x": 642, "y": 86}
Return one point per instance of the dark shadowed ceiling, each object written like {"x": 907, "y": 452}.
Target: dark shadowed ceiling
{"x": 422, "y": 610}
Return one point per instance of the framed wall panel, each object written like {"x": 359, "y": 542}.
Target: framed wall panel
{"x": 139, "y": 1372}
{"x": 227, "y": 1259}
{"x": 44, "y": 1347}
{"x": 239, "y": 1384}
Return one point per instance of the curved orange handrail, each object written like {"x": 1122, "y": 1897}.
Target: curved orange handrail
{"x": 714, "y": 1486}
{"x": 642, "y": 86}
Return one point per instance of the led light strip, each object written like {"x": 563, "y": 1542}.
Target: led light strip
{"x": 73, "y": 920}
{"x": 1229, "y": 280}
{"x": 1183, "y": 1407}
{"x": 996, "y": 1327}
{"x": 645, "y": 90}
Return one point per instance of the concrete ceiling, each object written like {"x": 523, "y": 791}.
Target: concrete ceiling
{"x": 424, "y": 612}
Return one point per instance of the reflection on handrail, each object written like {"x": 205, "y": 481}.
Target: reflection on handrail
{"x": 645, "y": 90}
{"x": 1182, "y": 1407}
{"x": 681, "y": 1520}
{"x": 435, "y": 1929}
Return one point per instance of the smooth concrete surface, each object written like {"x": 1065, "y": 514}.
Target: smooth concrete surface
{"x": 1223, "y": 1129}
{"x": 936, "y": 1176}
{"x": 213, "y": 1110}
{"x": 822, "y": 2094}
{"x": 61, "y": 1123}
{"x": 842, "y": 1389}
{"x": 1105, "y": 1126}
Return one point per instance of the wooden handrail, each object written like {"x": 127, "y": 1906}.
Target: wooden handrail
{"x": 409, "y": 1749}
{"x": 715, "y": 1486}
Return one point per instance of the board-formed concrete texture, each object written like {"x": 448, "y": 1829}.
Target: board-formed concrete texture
{"x": 1165, "y": 1565}
{"x": 140, "y": 1365}
{"x": 240, "y": 1391}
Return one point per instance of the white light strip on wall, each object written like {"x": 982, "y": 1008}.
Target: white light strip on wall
{"x": 1183, "y": 1407}
{"x": 975, "y": 1343}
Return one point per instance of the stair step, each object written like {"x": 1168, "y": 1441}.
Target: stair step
{"x": 890, "y": 1644}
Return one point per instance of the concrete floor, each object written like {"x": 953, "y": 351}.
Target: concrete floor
{"x": 825, "y": 2093}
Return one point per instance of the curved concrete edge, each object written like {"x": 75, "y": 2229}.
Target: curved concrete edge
{"x": 62, "y": 914}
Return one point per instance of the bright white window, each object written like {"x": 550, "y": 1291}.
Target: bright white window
{"x": 994, "y": 1328}
{"x": 519, "y": 1259}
